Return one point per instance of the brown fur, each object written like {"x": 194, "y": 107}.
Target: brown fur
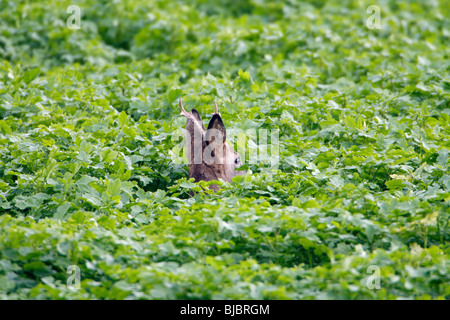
{"x": 201, "y": 143}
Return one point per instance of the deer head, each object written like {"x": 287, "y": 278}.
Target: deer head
{"x": 210, "y": 157}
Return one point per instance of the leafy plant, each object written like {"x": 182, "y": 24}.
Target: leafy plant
{"x": 91, "y": 151}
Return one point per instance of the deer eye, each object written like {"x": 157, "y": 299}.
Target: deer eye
{"x": 236, "y": 161}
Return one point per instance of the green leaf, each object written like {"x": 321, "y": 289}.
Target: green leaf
{"x": 30, "y": 75}
{"x": 395, "y": 184}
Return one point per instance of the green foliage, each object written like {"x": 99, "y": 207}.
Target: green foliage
{"x": 90, "y": 150}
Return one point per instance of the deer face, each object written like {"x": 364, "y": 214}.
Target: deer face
{"x": 210, "y": 156}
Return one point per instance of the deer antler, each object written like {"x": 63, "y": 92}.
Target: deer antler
{"x": 183, "y": 112}
{"x": 188, "y": 115}
{"x": 216, "y": 109}
{"x": 191, "y": 117}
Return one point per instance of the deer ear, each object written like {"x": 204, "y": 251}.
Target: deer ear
{"x": 197, "y": 117}
{"x": 217, "y": 124}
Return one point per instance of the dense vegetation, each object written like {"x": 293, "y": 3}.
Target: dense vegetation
{"x": 90, "y": 167}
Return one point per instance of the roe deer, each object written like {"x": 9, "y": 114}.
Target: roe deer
{"x": 210, "y": 156}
